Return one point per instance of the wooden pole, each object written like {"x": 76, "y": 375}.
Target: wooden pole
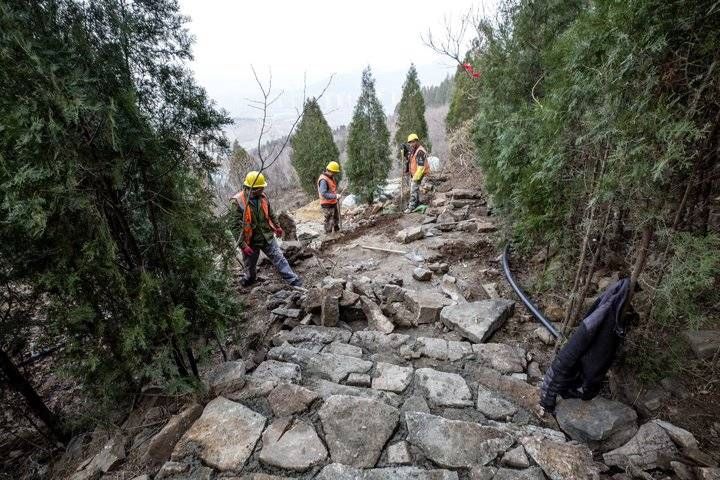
{"x": 388, "y": 250}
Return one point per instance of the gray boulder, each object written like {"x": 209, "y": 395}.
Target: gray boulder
{"x": 312, "y": 334}
{"x": 500, "y": 356}
{"x": 477, "y": 321}
{"x": 493, "y": 405}
{"x": 651, "y": 447}
{"x": 292, "y": 445}
{"x": 356, "y": 429}
{"x": 392, "y": 378}
{"x": 515, "y": 458}
{"x": 601, "y": 423}
{"x": 443, "y": 389}
{"x": 325, "y": 365}
{"x": 221, "y": 420}
{"x": 453, "y": 443}
{"x": 278, "y": 371}
{"x": 287, "y": 399}
{"x": 561, "y": 460}
{"x": 162, "y": 444}
{"x": 327, "y": 389}
{"x": 410, "y": 234}
{"x": 228, "y": 376}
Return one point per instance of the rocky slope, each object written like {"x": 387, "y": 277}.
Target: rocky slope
{"x": 400, "y": 361}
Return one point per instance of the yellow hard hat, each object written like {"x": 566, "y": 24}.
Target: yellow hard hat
{"x": 412, "y": 137}
{"x": 255, "y": 179}
{"x": 333, "y": 167}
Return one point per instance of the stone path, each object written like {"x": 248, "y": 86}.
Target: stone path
{"x": 360, "y": 390}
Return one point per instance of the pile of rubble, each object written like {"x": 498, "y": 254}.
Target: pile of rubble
{"x": 329, "y": 401}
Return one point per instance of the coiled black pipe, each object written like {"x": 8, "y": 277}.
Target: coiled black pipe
{"x": 528, "y": 303}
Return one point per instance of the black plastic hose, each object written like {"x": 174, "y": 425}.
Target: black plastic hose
{"x": 528, "y": 303}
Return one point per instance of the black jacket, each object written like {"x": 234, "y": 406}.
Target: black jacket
{"x": 580, "y": 366}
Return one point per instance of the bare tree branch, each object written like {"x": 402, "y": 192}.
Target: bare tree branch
{"x": 263, "y": 105}
{"x": 453, "y": 42}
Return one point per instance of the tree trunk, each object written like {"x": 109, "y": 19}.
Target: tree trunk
{"x": 36, "y": 404}
{"x": 647, "y": 234}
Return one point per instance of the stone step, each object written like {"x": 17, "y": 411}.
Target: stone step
{"x": 327, "y": 389}
{"x": 312, "y": 334}
{"x": 329, "y": 366}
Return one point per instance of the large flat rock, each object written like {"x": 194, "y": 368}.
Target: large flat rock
{"x": 437, "y": 348}
{"x": 443, "y": 389}
{"x": 425, "y": 306}
{"x": 651, "y": 447}
{"x": 600, "y": 423}
{"x": 356, "y": 429}
{"x": 163, "y": 443}
{"x": 325, "y": 365}
{"x": 477, "y": 321}
{"x": 519, "y": 392}
{"x": 287, "y": 399}
{"x": 453, "y": 443}
{"x": 227, "y": 377}
{"x": 392, "y": 378}
{"x": 493, "y": 405}
{"x": 374, "y": 341}
{"x": 327, "y": 389}
{"x": 221, "y": 420}
{"x": 292, "y": 445}
{"x": 312, "y": 334}
{"x": 501, "y": 357}
{"x": 561, "y": 460}
{"x": 278, "y": 371}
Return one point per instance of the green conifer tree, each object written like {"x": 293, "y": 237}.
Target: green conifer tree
{"x": 411, "y": 111}
{"x": 313, "y": 147}
{"x": 239, "y": 163}
{"x": 106, "y": 147}
{"x": 368, "y": 151}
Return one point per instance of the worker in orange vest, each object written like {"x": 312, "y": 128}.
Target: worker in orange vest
{"x": 259, "y": 226}
{"x": 329, "y": 199}
{"x": 419, "y": 166}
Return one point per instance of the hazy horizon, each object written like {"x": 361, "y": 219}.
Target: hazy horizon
{"x": 313, "y": 40}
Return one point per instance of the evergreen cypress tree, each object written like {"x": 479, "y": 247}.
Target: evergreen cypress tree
{"x": 313, "y": 147}
{"x": 239, "y": 164}
{"x": 411, "y": 111}
{"x": 368, "y": 151}
{"x": 104, "y": 204}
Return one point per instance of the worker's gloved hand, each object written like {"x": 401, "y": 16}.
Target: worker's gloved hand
{"x": 279, "y": 232}
{"x": 247, "y": 251}
{"x": 419, "y": 174}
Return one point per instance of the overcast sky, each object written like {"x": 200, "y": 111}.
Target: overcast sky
{"x": 317, "y": 38}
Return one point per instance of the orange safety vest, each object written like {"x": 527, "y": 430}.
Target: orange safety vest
{"x": 332, "y": 188}
{"x": 413, "y": 161}
{"x": 240, "y": 199}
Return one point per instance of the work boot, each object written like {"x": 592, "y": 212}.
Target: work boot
{"x": 246, "y": 282}
{"x": 408, "y": 210}
{"x": 296, "y": 283}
